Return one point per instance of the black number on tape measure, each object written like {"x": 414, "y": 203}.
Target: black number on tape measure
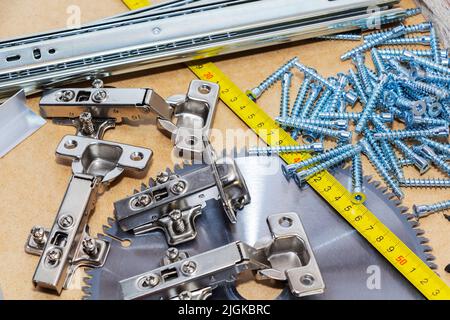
{"x": 369, "y": 228}
{"x": 225, "y": 91}
{"x": 234, "y": 99}
{"x": 379, "y": 239}
{"x": 435, "y": 293}
{"x": 358, "y": 218}
{"x": 327, "y": 189}
{"x": 390, "y": 249}
{"x": 243, "y": 107}
{"x": 348, "y": 208}
{"x": 260, "y": 125}
{"x": 424, "y": 281}
{"x": 251, "y": 116}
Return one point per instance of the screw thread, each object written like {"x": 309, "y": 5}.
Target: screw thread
{"x": 285, "y": 94}
{"x": 407, "y": 134}
{"x": 418, "y": 28}
{"x": 359, "y": 61}
{"x": 358, "y": 85}
{"x": 314, "y": 147}
{"x": 357, "y": 174}
{"x": 436, "y": 145}
{"x": 340, "y": 115}
{"x": 301, "y": 95}
{"x": 299, "y": 124}
{"x": 409, "y": 41}
{"x": 321, "y": 103}
{"x": 408, "y": 56}
{"x": 378, "y": 61}
{"x": 425, "y": 87}
{"x": 348, "y": 37}
{"x": 377, "y": 150}
{"x": 425, "y": 183}
{"x": 434, "y": 44}
{"x": 310, "y": 102}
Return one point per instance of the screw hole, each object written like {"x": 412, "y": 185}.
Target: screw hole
{"x": 204, "y": 89}
{"x": 137, "y": 156}
{"x": 285, "y": 222}
{"x": 70, "y": 144}
{"x": 307, "y": 280}
{"x": 192, "y": 140}
{"x": 52, "y": 51}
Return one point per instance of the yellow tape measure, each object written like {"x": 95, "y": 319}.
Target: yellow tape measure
{"x": 364, "y": 221}
{"x": 136, "y": 4}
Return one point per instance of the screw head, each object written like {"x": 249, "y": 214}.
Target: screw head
{"x": 185, "y": 295}
{"x": 162, "y": 177}
{"x": 99, "y": 96}
{"x": 65, "y": 95}
{"x": 53, "y": 256}
{"x": 66, "y": 221}
{"x": 178, "y": 187}
{"x": 172, "y": 254}
{"x": 85, "y": 117}
{"x": 89, "y": 246}
{"x": 97, "y": 83}
{"x": 144, "y": 200}
{"x": 149, "y": 281}
{"x": 175, "y": 215}
{"x": 38, "y": 234}
{"x": 188, "y": 268}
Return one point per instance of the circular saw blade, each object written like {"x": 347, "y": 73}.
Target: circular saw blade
{"x": 348, "y": 263}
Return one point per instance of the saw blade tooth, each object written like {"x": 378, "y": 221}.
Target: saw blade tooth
{"x": 404, "y": 209}
{"x": 88, "y": 281}
{"x": 136, "y": 191}
{"x": 413, "y": 223}
{"x": 432, "y": 265}
{"x": 430, "y": 257}
{"x": 111, "y": 221}
{"x": 423, "y": 240}
{"x": 410, "y": 216}
{"x": 177, "y": 168}
{"x": 151, "y": 183}
{"x": 143, "y": 187}
{"x": 419, "y": 231}
{"x": 86, "y": 290}
{"x": 427, "y": 248}
{"x": 368, "y": 178}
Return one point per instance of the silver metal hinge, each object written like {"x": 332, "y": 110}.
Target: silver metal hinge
{"x": 286, "y": 257}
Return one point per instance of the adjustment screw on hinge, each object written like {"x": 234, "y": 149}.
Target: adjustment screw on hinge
{"x": 178, "y": 187}
{"x": 177, "y": 221}
{"x": 65, "y": 221}
{"x": 65, "y": 95}
{"x": 185, "y": 295}
{"x": 149, "y": 281}
{"x": 162, "y": 177}
{"x": 188, "y": 268}
{"x": 90, "y": 246}
{"x": 172, "y": 254}
{"x": 144, "y": 200}
{"x": 38, "y": 235}
{"x": 53, "y": 256}
{"x": 87, "y": 126}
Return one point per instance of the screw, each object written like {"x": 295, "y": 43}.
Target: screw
{"x": 142, "y": 200}
{"x": 421, "y": 163}
{"x": 315, "y": 91}
{"x": 285, "y": 90}
{"x": 301, "y": 96}
{"x": 359, "y": 61}
{"x": 188, "y": 268}
{"x": 177, "y": 221}
{"x": 417, "y": 28}
{"x": 162, "y": 177}
{"x": 321, "y": 103}
{"x": 358, "y": 85}
{"x": 178, "y": 187}
{"x": 314, "y": 147}
{"x": 378, "y": 61}
{"x": 399, "y": 52}
{"x": 65, "y": 221}
{"x": 409, "y": 57}
{"x": 407, "y": 134}
{"x": 377, "y": 149}
{"x": 65, "y": 95}
{"x": 348, "y": 37}
{"x": 425, "y": 210}
{"x": 289, "y": 170}
{"x": 90, "y": 246}
{"x": 99, "y": 96}
{"x": 380, "y": 168}
{"x": 87, "y": 126}
{"x": 39, "y": 236}
{"x": 357, "y": 180}
{"x": 372, "y": 103}
{"x": 299, "y": 124}
{"x": 424, "y": 87}
{"x": 425, "y": 40}
{"x": 53, "y": 256}
{"x": 428, "y": 153}
{"x": 256, "y": 92}
{"x": 350, "y": 96}
{"x": 338, "y": 124}
{"x": 149, "y": 281}
{"x": 185, "y": 295}
{"x": 337, "y": 96}
{"x": 172, "y": 254}
{"x": 394, "y": 33}
{"x": 425, "y": 183}
{"x": 434, "y": 45}
{"x": 97, "y": 83}
{"x": 436, "y": 145}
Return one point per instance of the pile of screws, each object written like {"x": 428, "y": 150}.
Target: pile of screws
{"x": 408, "y": 86}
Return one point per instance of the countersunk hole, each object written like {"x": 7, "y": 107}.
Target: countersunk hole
{"x": 70, "y": 144}
{"x": 192, "y": 140}
{"x": 285, "y": 222}
{"x": 52, "y": 51}
{"x": 204, "y": 89}
{"x": 13, "y": 58}
{"x": 137, "y": 156}
{"x": 307, "y": 280}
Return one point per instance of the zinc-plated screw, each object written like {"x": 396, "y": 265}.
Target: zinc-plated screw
{"x": 256, "y": 92}
{"x": 301, "y": 177}
{"x": 87, "y": 126}
{"x": 425, "y": 210}
{"x": 314, "y": 147}
{"x": 189, "y": 267}
{"x": 359, "y": 61}
{"x": 419, "y": 53}
{"x": 301, "y": 96}
{"x": 143, "y": 200}
{"x": 444, "y": 148}
{"x": 337, "y": 96}
{"x": 289, "y": 170}
{"x": 332, "y": 124}
{"x": 425, "y": 121}
{"x": 321, "y": 103}
{"x": 432, "y": 77}
{"x": 38, "y": 234}
{"x": 90, "y": 246}
{"x": 425, "y": 183}
{"x": 425, "y": 40}
{"x": 428, "y": 153}
{"x": 149, "y": 281}
{"x": 315, "y": 91}
{"x": 177, "y": 219}
{"x": 394, "y": 33}
{"x": 185, "y": 295}
{"x": 65, "y": 221}
{"x": 409, "y": 57}
{"x": 357, "y": 180}
{"x": 424, "y": 87}
{"x": 408, "y": 134}
{"x": 97, "y": 83}
{"x": 384, "y": 174}
{"x": 358, "y": 85}
{"x": 417, "y": 28}
{"x": 372, "y": 103}
{"x": 99, "y": 96}
{"x": 285, "y": 96}
{"x": 378, "y": 61}
{"x": 348, "y": 37}
{"x": 178, "y": 187}
{"x": 434, "y": 45}
{"x": 421, "y": 163}
{"x": 350, "y": 96}
{"x": 66, "y": 95}
{"x": 377, "y": 149}
{"x": 299, "y": 124}
{"x": 162, "y": 177}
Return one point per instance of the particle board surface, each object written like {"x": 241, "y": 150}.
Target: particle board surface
{"x": 32, "y": 183}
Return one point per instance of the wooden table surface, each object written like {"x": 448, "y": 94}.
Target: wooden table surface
{"x": 32, "y": 183}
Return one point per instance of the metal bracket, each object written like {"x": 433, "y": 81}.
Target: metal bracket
{"x": 286, "y": 257}
{"x": 67, "y": 245}
{"x": 193, "y": 118}
{"x": 175, "y": 201}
